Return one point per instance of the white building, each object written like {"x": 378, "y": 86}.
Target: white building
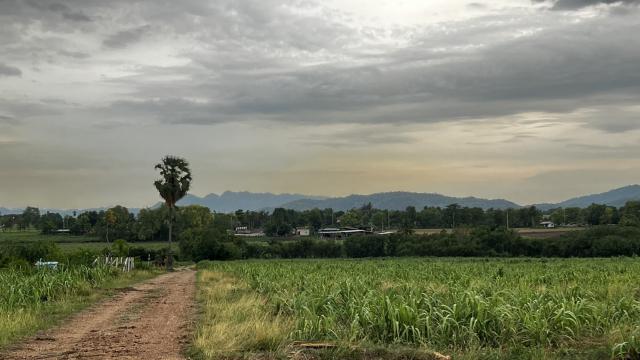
{"x": 303, "y": 231}
{"x": 548, "y": 224}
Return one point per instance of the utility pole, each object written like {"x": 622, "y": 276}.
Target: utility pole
{"x": 507, "y": 219}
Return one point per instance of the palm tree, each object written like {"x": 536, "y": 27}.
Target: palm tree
{"x": 173, "y": 185}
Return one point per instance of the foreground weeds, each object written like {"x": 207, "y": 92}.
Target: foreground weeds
{"x": 235, "y": 320}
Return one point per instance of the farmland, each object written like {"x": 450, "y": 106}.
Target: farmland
{"x": 70, "y": 243}
{"x": 524, "y": 232}
{"x": 469, "y": 308}
{"x": 35, "y": 235}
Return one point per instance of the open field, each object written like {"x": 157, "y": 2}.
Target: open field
{"x": 101, "y": 245}
{"x": 69, "y": 243}
{"x": 468, "y": 308}
{"x": 34, "y": 235}
{"x": 525, "y": 232}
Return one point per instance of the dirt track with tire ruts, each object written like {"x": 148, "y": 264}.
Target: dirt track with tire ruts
{"x": 151, "y": 320}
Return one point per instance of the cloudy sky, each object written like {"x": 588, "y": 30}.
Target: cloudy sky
{"x": 521, "y": 99}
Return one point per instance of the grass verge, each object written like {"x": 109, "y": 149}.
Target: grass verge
{"x": 234, "y": 321}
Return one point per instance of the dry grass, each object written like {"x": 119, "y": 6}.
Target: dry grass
{"x": 235, "y": 319}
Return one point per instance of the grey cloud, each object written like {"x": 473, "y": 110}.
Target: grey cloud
{"x": 555, "y": 67}
{"x": 74, "y": 54}
{"x": 125, "y": 38}
{"x": 6, "y": 70}
{"x": 476, "y": 5}
{"x": 362, "y": 136}
{"x": 578, "y": 4}
{"x": 253, "y": 62}
{"x": 60, "y": 8}
{"x": 24, "y": 109}
{"x": 602, "y": 151}
{"x": 613, "y": 119}
{"x": 8, "y": 120}
{"x": 76, "y": 16}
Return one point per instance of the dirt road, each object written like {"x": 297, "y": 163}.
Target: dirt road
{"x": 148, "y": 321}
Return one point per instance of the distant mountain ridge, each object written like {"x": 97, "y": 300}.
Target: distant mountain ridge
{"x": 398, "y": 200}
{"x": 8, "y": 211}
{"x": 616, "y": 197}
{"x": 64, "y": 212}
{"x": 231, "y": 201}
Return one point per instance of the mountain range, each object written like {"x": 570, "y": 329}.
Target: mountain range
{"x": 230, "y": 201}
{"x": 617, "y": 197}
{"x": 397, "y": 201}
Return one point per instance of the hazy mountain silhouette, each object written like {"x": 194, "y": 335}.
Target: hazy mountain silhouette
{"x": 616, "y": 197}
{"x": 231, "y": 201}
{"x": 398, "y": 201}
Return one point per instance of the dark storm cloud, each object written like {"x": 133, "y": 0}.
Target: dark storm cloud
{"x": 6, "y": 70}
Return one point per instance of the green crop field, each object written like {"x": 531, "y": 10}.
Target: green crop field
{"x": 468, "y": 308}
{"x": 67, "y": 247}
{"x": 69, "y": 243}
{"x": 34, "y": 235}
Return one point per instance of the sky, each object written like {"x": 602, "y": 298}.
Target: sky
{"x": 528, "y": 100}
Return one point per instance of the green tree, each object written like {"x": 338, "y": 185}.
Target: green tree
{"x": 151, "y": 224}
{"x": 351, "y": 218}
{"x": 30, "y": 217}
{"x": 450, "y": 213}
{"x": 193, "y": 216}
{"x": 630, "y": 214}
{"x": 50, "y": 222}
{"x": 280, "y": 224}
{"x": 573, "y": 215}
{"x": 173, "y": 185}
{"x": 109, "y": 220}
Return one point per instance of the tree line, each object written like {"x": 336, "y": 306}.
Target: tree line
{"x": 598, "y": 241}
{"x": 153, "y": 225}
{"x": 203, "y": 235}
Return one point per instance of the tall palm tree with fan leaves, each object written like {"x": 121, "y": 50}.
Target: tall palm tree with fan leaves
{"x": 175, "y": 180}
